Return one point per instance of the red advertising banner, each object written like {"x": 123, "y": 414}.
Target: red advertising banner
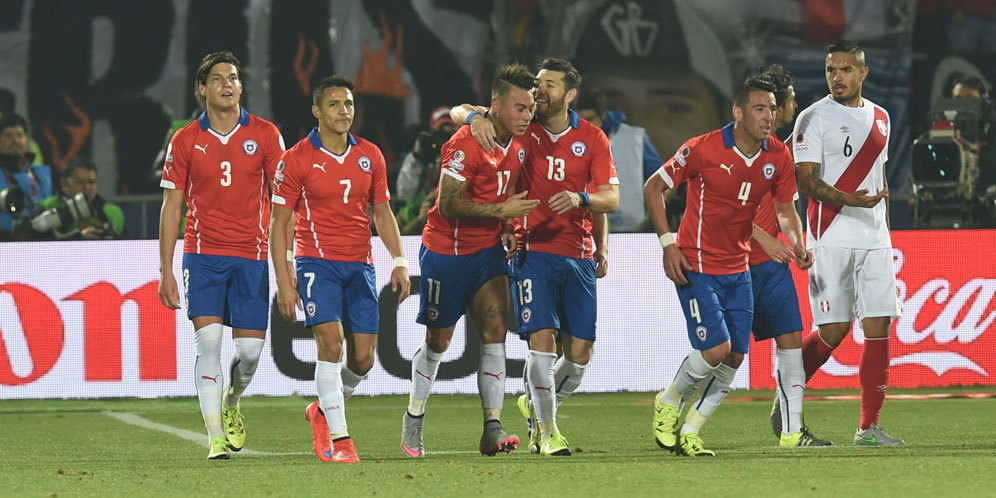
{"x": 946, "y": 336}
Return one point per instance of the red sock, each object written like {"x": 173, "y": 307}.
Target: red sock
{"x": 815, "y": 353}
{"x": 874, "y": 375}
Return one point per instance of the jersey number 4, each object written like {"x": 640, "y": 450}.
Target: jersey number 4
{"x": 744, "y": 193}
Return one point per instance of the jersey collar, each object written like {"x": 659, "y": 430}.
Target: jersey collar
{"x": 728, "y": 137}
{"x": 316, "y": 141}
{"x": 572, "y": 118}
{"x": 206, "y": 124}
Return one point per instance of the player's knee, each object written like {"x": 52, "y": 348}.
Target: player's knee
{"x": 716, "y": 354}
{"x": 493, "y": 335}
{"x": 362, "y": 364}
{"x": 734, "y": 359}
{"x": 437, "y": 343}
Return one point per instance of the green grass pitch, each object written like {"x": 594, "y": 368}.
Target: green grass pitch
{"x": 84, "y": 447}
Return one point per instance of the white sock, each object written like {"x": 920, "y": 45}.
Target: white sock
{"x": 711, "y": 394}
{"x": 207, "y": 376}
{"x": 350, "y": 380}
{"x": 328, "y": 382}
{"x": 791, "y": 379}
{"x": 491, "y": 380}
{"x": 566, "y": 377}
{"x": 691, "y": 371}
{"x": 540, "y": 368}
{"x": 242, "y": 367}
{"x": 424, "y": 367}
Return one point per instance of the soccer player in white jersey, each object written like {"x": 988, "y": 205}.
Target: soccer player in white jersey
{"x": 841, "y": 146}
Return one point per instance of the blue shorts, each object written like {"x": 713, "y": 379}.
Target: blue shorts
{"x": 776, "y": 305}
{"x": 550, "y": 291}
{"x": 337, "y": 291}
{"x": 450, "y": 282}
{"x": 718, "y": 308}
{"x": 236, "y": 289}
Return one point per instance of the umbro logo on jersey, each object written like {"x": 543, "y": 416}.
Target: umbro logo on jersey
{"x": 319, "y": 166}
{"x": 843, "y": 129}
{"x": 727, "y": 168}
{"x": 202, "y": 148}
{"x": 536, "y": 137}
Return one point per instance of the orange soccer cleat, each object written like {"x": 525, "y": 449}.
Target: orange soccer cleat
{"x": 320, "y": 432}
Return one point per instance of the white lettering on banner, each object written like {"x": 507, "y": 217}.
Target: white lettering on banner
{"x": 100, "y": 330}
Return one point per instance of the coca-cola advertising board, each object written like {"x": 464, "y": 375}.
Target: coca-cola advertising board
{"x": 946, "y": 280}
{"x": 83, "y": 319}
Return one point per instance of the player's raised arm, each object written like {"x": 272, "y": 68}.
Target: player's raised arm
{"x": 169, "y": 230}
{"x": 810, "y": 185}
{"x": 287, "y": 295}
{"x": 452, "y": 203}
{"x": 387, "y": 228}
{"x": 482, "y": 129}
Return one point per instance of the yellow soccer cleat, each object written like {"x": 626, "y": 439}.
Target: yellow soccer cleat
{"x": 665, "y": 424}
{"x": 555, "y": 445}
{"x": 526, "y": 409}
{"x": 235, "y": 426}
{"x": 692, "y": 445}
{"x": 219, "y": 449}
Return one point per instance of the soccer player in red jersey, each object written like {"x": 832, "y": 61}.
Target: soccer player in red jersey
{"x": 462, "y": 259}
{"x": 221, "y": 165}
{"x": 729, "y": 171}
{"x": 327, "y": 182}
{"x": 841, "y": 146}
{"x": 571, "y": 171}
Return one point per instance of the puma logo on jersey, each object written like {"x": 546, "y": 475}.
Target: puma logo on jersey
{"x": 727, "y": 168}
{"x": 166, "y": 171}
{"x": 536, "y": 137}
{"x": 202, "y": 148}
{"x": 319, "y": 166}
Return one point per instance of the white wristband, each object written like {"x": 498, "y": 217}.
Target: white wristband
{"x": 401, "y": 262}
{"x": 666, "y": 240}
{"x": 290, "y": 255}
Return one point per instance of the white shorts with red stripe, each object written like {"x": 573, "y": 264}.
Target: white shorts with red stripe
{"x": 845, "y": 282}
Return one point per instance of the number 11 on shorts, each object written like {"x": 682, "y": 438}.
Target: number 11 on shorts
{"x": 433, "y": 295}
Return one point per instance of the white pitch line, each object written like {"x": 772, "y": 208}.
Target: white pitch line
{"x": 196, "y": 437}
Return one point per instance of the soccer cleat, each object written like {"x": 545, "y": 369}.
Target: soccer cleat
{"x": 776, "y": 417}
{"x": 555, "y": 445}
{"x": 411, "y": 435}
{"x": 665, "y": 424}
{"x": 321, "y": 440}
{"x": 235, "y": 426}
{"x": 692, "y": 445}
{"x": 802, "y": 438}
{"x": 526, "y": 409}
{"x": 343, "y": 451}
{"x": 494, "y": 439}
{"x": 219, "y": 449}
{"x": 875, "y": 435}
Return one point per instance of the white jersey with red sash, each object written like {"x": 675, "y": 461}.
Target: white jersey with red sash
{"x": 851, "y": 145}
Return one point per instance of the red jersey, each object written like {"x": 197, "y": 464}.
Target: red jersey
{"x": 225, "y": 179}
{"x": 725, "y": 188}
{"x": 576, "y": 159}
{"x": 488, "y": 175}
{"x": 766, "y": 219}
{"x": 330, "y": 195}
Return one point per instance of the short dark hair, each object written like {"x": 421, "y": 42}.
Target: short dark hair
{"x": 78, "y": 162}
{"x": 14, "y": 119}
{"x": 592, "y": 98}
{"x": 330, "y": 82}
{"x": 755, "y": 83}
{"x": 782, "y": 79}
{"x": 850, "y": 47}
{"x": 204, "y": 68}
{"x": 510, "y": 75}
{"x": 972, "y": 82}
{"x": 572, "y": 78}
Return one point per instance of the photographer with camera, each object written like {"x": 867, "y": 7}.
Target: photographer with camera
{"x": 79, "y": 186}
{"x": 416, "y": 185}
{"x": 974, "y": 88}
{"x": 22, "y": 184}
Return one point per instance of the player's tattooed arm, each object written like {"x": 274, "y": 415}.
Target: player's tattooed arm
{"x": 808, "y": 176}
{"x": 452, "y": 203}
